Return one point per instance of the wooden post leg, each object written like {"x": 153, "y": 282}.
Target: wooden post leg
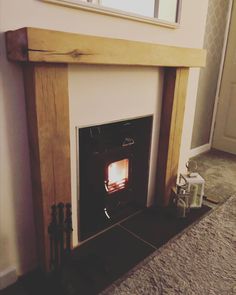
{"x": 173, "y": 106}
{"x": 46, "y": 90}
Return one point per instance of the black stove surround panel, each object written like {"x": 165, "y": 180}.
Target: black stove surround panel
{"x": 113, "y": 172}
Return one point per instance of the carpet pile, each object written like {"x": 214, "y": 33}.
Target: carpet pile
{"x": 201, "y": 260}
{"x": 219, "y": 170}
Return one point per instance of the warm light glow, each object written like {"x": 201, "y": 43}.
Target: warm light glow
{"x": 118, "y": 173}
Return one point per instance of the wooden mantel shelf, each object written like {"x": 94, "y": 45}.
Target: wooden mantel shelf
{"x": 40, "y": 45}
{"x": 45, "y": 55}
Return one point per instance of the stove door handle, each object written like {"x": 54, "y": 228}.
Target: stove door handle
{"x": 106, "y": 213}
{"x": 128, "y": 141}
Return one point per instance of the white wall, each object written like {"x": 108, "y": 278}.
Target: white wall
{"x": 17, "y": 236}
{"x": 115, "y": 93}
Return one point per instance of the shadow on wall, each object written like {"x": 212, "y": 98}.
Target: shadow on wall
{"x": 17, "y": 234}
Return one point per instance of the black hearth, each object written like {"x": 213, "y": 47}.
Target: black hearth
{"x": 113, "y": 172}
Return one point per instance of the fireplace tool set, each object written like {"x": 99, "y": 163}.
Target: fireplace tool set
{"x": 60, "y": 230}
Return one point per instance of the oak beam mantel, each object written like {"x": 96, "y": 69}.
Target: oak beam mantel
{"x": 45, "y": 56}
{"x": 39, "y": 45}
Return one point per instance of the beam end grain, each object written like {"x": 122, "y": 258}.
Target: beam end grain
{"x": 17, "y": 45}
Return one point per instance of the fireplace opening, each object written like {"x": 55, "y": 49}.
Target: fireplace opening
{"x": 117, "y": 176}
{"x": 113, "y": 172}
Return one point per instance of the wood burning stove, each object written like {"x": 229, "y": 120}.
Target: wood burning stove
{"x": 113, "y": 172}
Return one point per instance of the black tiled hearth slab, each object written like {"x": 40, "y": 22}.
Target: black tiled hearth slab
{"x": 158, "y": 225}
{"x": 35, "y": 283}
{"x": 100, "y": 261}
{"x": 129, "y": 210}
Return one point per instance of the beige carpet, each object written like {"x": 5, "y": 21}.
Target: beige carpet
{"x": 219, "y": 170}
{"x": 201, "y": 260}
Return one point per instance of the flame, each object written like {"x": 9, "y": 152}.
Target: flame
{"x": 118, "y": 173}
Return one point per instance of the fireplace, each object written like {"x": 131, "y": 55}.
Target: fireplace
{"x": 113, "y": 172}
{"x": 45, "y": 55}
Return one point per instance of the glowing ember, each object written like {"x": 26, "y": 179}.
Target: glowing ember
{"x": 118, "y": 173}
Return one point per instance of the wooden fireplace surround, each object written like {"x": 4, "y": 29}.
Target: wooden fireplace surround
{"x": 45, "y": 56}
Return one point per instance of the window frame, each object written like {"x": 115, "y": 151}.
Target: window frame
{"x": 90, "y": 6}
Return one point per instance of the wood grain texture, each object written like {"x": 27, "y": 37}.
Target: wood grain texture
{"x": 48, "y": 124}
{"x": 173, "y": 106}
{"x": 60, "y": 47}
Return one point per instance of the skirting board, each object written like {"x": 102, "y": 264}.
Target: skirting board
{"x": 7, "y": 277}
{"x": 199, "y": 150}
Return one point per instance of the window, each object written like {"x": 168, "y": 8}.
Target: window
{"x": 165, "y": 12}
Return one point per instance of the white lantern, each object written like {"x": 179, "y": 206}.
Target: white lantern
{"x": 195, "y": 187}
